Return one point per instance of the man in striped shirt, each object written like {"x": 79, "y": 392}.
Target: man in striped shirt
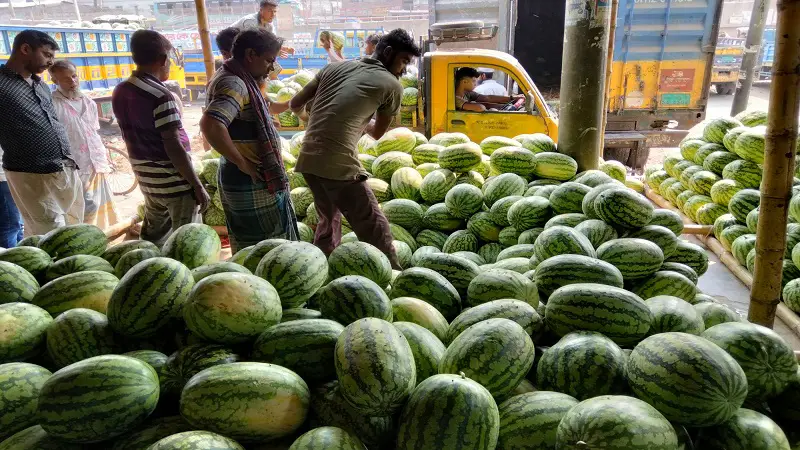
{"x": 157, "y": 144}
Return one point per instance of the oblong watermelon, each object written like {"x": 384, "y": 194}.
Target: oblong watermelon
{"x": 20, "y": 384}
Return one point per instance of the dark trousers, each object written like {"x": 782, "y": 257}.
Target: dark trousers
{"x": 10, "y": 219}
{"x": 354, "y": 200}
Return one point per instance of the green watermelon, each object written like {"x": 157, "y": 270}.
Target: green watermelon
{"x": 438, "y": 217}
{"x": 387, "y": 163}
{"x": 430, "y": 238}
{"x": 196, "y": 440}
{"x": 561, "y": 240}
{"x": 457, "y": 270}
{"x": 360, "y": 258}
{"x": 20, "y": 384}
{"x": 568, "y": 197}
{"x": 35, "y": 438}
{"x": 562, "y": 270}
{"x": 303, "y": 346}
{"x": 582, "y": 364}
{"x": 328, "y": 437}
{"x": 750, "y": 145}
{"x": 714, "y": 313}
{"x": 791, "y": 295}
{"x": 381, "y": 189}
{"x": 155, "y": 358}
{"x": 464, "y": 200}
{"x": 476, "y": 351}
{"x": 741, "y": 246}
{"x": 715, "y": 129}
{"x": 503, "y": 185}
{"x": 692, "y": 255}
{"x": 132, "y": 258}
{"x": 518, "y": 311}
{"x": 659, "y": 235}
{"x": 688, "y": 149}
{"x": 296, "y": 270}
{"x": 716, "y": 161}
{"x": 568, "y": 220}
{"x": 426, "y": 153}
{"x": 78, "y": 334}
{"x": 682, "y": 269}
{"x": 614, "y": 169}
{"x": 398, "y": 139}
{"x": 673, "y": 314}
{"x": 723, "y": 222}
{"x": 705, "y": 389}
{"x": 668, "y": 219}
{"x": 635, "y": 258}
{"x": 530, "y": 420}
{"x": 597, "y": 231}
{"x": 115, "y": 394}
{"x": 509, "y": 236}
{"x": 188, "y": 361}
{"x": 16, "y": 284}
{"x": 483, "y": 227}
{"x": 683, "y": 197}
{"x": 554, "y": 166}
{"x": 702, "y": 181}
{"x": 665, "y": 283}
{"x": 746, "y": 173}
{"x": 472, "y": 177}
{"x": 403, "y": 212}
{"x": 81, "y": 239}
{"x": 24, "y": 328}
{"x": 529, "y": 212}
{"x": 193, "y": 244}
{"x": 498, "y": 284}
{"x": 512, "y": 159}
{"x": 427, "y": 349}
{"x": 407, "y": 309}
{"x": 90, "y": 289}
{"x": 32, "y": 259}
{"x": 723, "y": 190}
{"x": 499, "y": 210}
{"x": 752, "y": 118}
{"x": 293, "y": 314}
{"x": 353, "y": 297}
{"x": 615, "y": 422}
{"x": 436, "y": 184}
{"x": 492, "y": 143}
{"x": 529, "y": 236}
{"x": 536, "y": 142}
{"x": 704, "y": 151}
{"x": 329, "y": 408}
{"x": 460, "y": 157}
{"x": 490, "y": 251}
{"x": 624, "y": 208}
{"x": 461, "y": 240}
{"x": 198, "y": 273}
{"x": 746, "y": 430}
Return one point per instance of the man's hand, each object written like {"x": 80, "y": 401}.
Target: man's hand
{"x": 201, "y": 197}
{"x": 252, "y": 170}
{"x": 286, "y": 51}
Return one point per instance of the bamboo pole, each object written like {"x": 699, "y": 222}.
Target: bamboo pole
{"x": 784, "y": 106}
{"x": 205, "y": 37}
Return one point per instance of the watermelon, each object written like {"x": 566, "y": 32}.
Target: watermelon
{"x": 568, "y": 198}
{"x": 439, "y": 218}
{"x": 473, "y": 425}
{"x": 490, "y": 251}
{"x": 448, "y": 139}
{"x": 562, "y": 270}
{"x": 24, "y": 328}
{"x": 750, "y": 145}
{"x": 519, "y": 265}
{"x": 785, "y": 407}
{"x": 148, "y": 296}
{"x": 436, "y": 184}
{"x": 659, "y": 235}
{"x": 492, "y": 143}
{"x": 360, "y": 258}
{"x": 635, "y": 258}
{"x": 403, "y": 212}
{"x": 198, "y": 273}
{"x": 509, "y": 236}
{"x": 665, "y": 283}
{"x": 540, "y": 191}
{"x": 430, "y": 286}
{"x": 35, "y": 438}
{"x": 529, "y": 236}
{"x": 460, "y": 157}
{"x": 81, "y": 239}
{"x": 407, "y": 309}
{"x": 692, "y": 255}
{"x": 716, "y": 161}
{"x": 195, "y": 440}
{"x": 729, "y": 141}
{"x": 615, "y": 422}
{"x": 518, "y": 311}
{"x": 253, "y": 386}
{"x": 752, "y": 118}
{"x": 688, "y": 148}
{"x": 302, "y": 198}
{"x": 499, "y": 210}
{"x": 675, "y": 190}
{"x": 20, "y": 384}
{"x": 747, "y": 429}
{"x": 561, "y": 240}
{"x": 668, "y": 219}
{"x": 536, "y": 142}
{"x": 292, "y": 314}
{"x": 296, "y": 270}
{"x": 752, "y": 221}
{"x": 529, "y": 212}
{"x": 303, "y": 346}
{"x": 464, "y": 200}
{"x": 723, "y": 190}
{"x": 78, "y": 334}
{"x": 398, "y": 139}
{"x": 702, "y": 181}
{"x": 619, "y": 314}
{"x": 430, "y": 238}
{"x": 116, "y": 393}
{"x": 767, "y": 360}
{"x": 741, "y": 246}
{"x": 30, "y": 241}
{"x": 704, "y": 151}
{"x": 426, "y": 153}
{"x": 746, "y": 173}
{"x": 476, "y": 351}
{"x": 328, "y": 437}
{"x": 673, "y": 314}
{"x": 583, "y": 364}
{"x": 90, "y": 289}
{"x": 461, "y": 240}
{"x": 555, "y": 166}
{"x": 16, "y": 284}
{"x": 683, "y": 197}
{"x": 705, "y": 389}
{"x": 623, "y": 208}
{"x": 188, "y": 361}
{"x": 791, "y": 295}
{"x": 375, "y": 366}
{"x": 693, "y": 204}
{"x": 193, "y": 244}
{"x": 715, "y": 129}
{"x": 387, "y": 163}
{"x": 483, "y": 227}
{"x": 329, "y": 408}
{"x": 614, "y": 169}
{"x": 655, "y": 179}
{"x": 32, "y": 259}
{"x": 472, "y": 177}
{"x": 425, "y": 346}
{"x": 457, "y": 270}
{"x": 530, "y": 420}
{"x": 504, "y": 185}
{"x": 722, "y": 223}
{"x": 570, "y": 220}
{"x": 682, "y": 269}
{"x": 597, "y": 231}
{"x": 155, "y": 358}
{"x": 679, "y": 167}
{"x": 714, "y": 313}
{"x": 353, "y": 297}
{"x": 515, "y": 160}
{"x": 406, "y": 183}
{"x": 497, "y": 284}
{"x": 381, "y": 189}
{"x": 686, "y": 175}
{"x": 517, "y": 251}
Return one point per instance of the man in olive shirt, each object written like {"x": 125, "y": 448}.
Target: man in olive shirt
{"x": 346, "y": 95}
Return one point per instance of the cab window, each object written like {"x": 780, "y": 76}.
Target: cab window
{"x": 488, "y": 90}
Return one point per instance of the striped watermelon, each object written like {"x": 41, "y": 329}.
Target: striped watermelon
{"x": 483, "y": 227}
{"x": 461, "y": 240}
{"x": 554, "y": 166}
{"x": 457, "y": 270}
{"x": 376, "y": 345}
{"x": 426, "y": 153}
{"x": 296, "y": 270}
{"x": 594, "y": 178}
{"x": 517, "y": 251}
{"x": 679, "y": 167}
{"x": 723, "y": 190}
{"x": 562, "y": 270}
{"x": 492, "y": 143}
{"x": 327, "y": 438}
{"x": 381, "y": 189}
{"x": 683, "y": 197}
{"x": 767, "y": 360}
{"x": 477, "y": 351}
{"x": 536, "y": 142}
{"x": 208, "y": 313}
{"x": 460, "y": 157}
{"x": 396, "y": 140}
{"x": 513, "y": 160}
{"x": 490, "y": 251}
{"x": 439, "y": 218}
{"x": 81, "y": 239}
{"x": 421, "y": 251}
{"x": 191, "y": 440}
{"x": 688, "y": 149}
{"x": 635, "y": 258}
{"x": 193, "y": 244}
{"x": 360, "y": 258}
{"x": 436, "y": 184}
{"x": 24, "y": 328}
{"x": 682, "y": 269}
{"x": 746, "y": 173}
{"x": 427, "y": 349}
{"x": 472, "y": 177}
{"x": 407, "y": 309}
{"x": 692, "y": 255}
{"x": 597, "y": 231}
{"x": 77, "y": 263}
{"x": 430, "y": 238}
{"x": 655, "y": 179}
{"x": 303, "y": 346}
{"x": 729, "y": 141}
{"x": 693, "y": 204}
{"x": 588, "y": 202}
{"x": 702, "y": 181}
{"x": 619, "y": 314}
{"x": 447, "y": 139}
{"x": 188, "y": 361}
{"x": 353, "y": 297}
{"x": 151, "y": 432}
{"x": 529, "y": 212}
{"x": 20, "y": 384}
{"x": 32, "y": 259}
{"x": 659, "y": 235}
{"x": 723, "y": 222}
{"x": 540, "y": 191}
{"x": 16, "y": 284}
{"x": 623, "y": 208}
{"x": 716, "y": 161}
{"x": 519, "y": 265}
{"x": 715, "y": 129}
{"x": 155, "y": 358}
{"x": 752, "y": 223}
{"x": 752, "y": 117}
{"x": 614, "y": 169}
{"x": 79, "y": 334}
{"x": 673, "y": 314}
{"x": 509, "y": 236}
{"x": 530, "y": 420}
{"x": 115, "y": 394}
{"x": 518, "y": 311}
{"x": 743, "y": 202}
{"x": 430, "y": 286}
{"x": 132, "y": 258}
{"x": 705, "y": 150}
{"x": 741, "y": 246}
{"x": 198, "y": 273}
{"x": 705, "y": 389}
{"x": 747, "y": 429}
{"x": 503, "y": 185}
{"x": 570, "y": 220}
{"x": 750, "y": 145}
{"x": 529, "y": 236}
{"x": 715, "y": 313}
{"x": 90, "y": 289}
{"x": 499, "y": 210}
{"x": 561, "y": 240}
{"x": 464, "y": 200}
{"x": 675, "y": 190}
{"x": 406, "y": 183}
{"x": 665, "y": 283}
{"x": 582, "y": 364}
{"x": 329, "y": 408}
{"x": 791, "y": 295}
{"x": 30, "y": 241}
{"x": 471, "y": 425}
{"x": 568, "y": 198}
{"x": 471, "y": 256}
{"x": 293, "y": 314}
{"x": 498, "y": 284}
{"x": 302, "y": 198}
{"x": 403, "y": 212}
{"x": 252, "y": 387}
{"x": 615, "y": 422}
{"x": 387, "y": 163}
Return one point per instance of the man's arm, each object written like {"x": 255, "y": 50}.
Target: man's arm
{"x": 305, "y": 95}
{"x": 216, "y": 133}
{"x": 183, "y": 164}
{"x": 278, "y": 107}
{"x": 474, "y": 107}
{"x": 379, "y": 126}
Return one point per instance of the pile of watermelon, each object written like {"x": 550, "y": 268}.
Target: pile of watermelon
{"x": 538, "y": 308}
{"x": 716, "y": 180}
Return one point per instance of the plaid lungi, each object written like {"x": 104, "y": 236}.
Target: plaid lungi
{"x": 252, "y": 213}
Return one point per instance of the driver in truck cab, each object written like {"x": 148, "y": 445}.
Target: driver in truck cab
{"x": 467, "y": 99}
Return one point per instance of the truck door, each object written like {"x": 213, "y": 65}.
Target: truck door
{"x": 480, "y": 125}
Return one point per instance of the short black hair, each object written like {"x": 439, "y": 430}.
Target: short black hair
{"x": 61, "y": 64}
{"x": 373, "y": 38}
{"x": 264, "y": 3}
{"x": 488, "y": 75}
{"x": 466, "y": 72}
{"x": 225, "y": 38}
{"x": 259, "y": 39}
{"x": 400, "y": 41}
{"x": 148, "y": 47}
{"x": 35, "y": 39}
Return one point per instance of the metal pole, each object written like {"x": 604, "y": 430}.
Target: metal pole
{"x": 77, "y": 10}
{"x": 612, "y": 30}
{"x": 583, "y": 81}
{"x": 747, "y": 73}
{"x": 784, "y": 108}
{"x": 205, "y": 37}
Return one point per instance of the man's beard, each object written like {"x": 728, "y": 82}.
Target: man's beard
{"x": 71, "y": 93}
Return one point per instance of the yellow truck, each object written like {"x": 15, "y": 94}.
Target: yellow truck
{"x": 727, "y": 62}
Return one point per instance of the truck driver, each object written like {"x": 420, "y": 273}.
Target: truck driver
{"x": 469, "y": 100}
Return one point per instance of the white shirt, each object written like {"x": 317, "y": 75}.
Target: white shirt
{"x": 252, "y": 21}
{"x": 2, "y": 173}
{"x": 78, "y": 114}
{"x": 491, "y": 87}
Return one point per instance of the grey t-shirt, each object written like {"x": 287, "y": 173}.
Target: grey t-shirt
{"x": 252, "y": 21}
{"x": 348, "y": 94}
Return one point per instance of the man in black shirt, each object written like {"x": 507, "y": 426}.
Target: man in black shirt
{"x": 42, "y": 176}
